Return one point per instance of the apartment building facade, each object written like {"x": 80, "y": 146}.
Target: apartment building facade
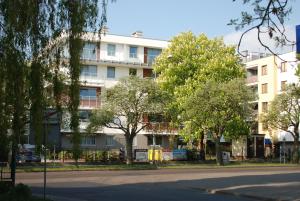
{"x": 102, "y": 66}
{"x": 267, "y": 76}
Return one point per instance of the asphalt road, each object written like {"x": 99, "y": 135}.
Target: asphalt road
{"x": 224, "y": 184}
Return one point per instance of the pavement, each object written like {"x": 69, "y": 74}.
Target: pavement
{"x": 260, "y": 183}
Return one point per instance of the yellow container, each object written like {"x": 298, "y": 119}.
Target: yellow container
{"x": 157, "y": 155}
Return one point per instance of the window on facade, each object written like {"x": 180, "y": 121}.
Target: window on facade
{"x": 132, "y": 71}
{"x": 89, "y": 51}
{"x": 84, "y": 115}
{"x": 264, "y": 70}
{"x": 133, "y": 52}
{"x": 264, "y": 88}
{"x": 111, "y": 72}
{"x": 283, "y": 67}
{"x": 148, "y": 73}
{"x": 88, "y": 93}
{"x": 134, "y": 142}
{"x": 109, "y": 140}
{"x": 111, "y": 50}
{"x": 157, "y": 140}
{"x": 152, "y": 54}
{"x": 88, "y": 71}
{"x": 264, "y": 106}
{"x": 150, "y": 140}
{"x": 88, "y": 140}
{"x": 283, "y": 85}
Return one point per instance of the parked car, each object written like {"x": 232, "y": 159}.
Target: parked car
{"x": 25, "y": 156}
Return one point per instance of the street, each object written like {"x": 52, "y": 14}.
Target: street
{"x": 169, "y": 184}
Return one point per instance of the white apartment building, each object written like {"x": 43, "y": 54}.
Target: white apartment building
{"x": 102, "y": 67}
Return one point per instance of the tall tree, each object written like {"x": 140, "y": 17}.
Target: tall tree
{"x": 30, "y": 35}
{"x": 190, "y": 61}
{"x": 284, "y": 114}
{"x": 124, "y": 107}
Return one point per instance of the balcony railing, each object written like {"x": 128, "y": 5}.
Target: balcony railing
{"x": 160, "y": 127}
{"x": 89, "y": 102}
{"x": 252, "y": 79}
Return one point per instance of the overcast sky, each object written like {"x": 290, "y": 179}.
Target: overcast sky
{"x": 163, "y": 19}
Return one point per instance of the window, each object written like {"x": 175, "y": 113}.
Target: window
{"x": 264, "y": 106}
{"x": 109, "y": 140}
{"x": 88, "y": 93}
{"x": 264, "y": 88}
{"x": 89, "y": 51}
{"x": 111, "y": 50}
{"x": 157, "y": 140}
{"x": 88, "y": 71}
{"x": 134, "y": 142}
{"x": 264, "y": 70}
{"x": 150, "y": 140}
{"x": 84, "y": 115}
{"x": 88, "y": 140}
{"x": 111, "y": 72}
{"x": 152, "y": 54}
{"x": 132, "y": 52}
{"x": 283, "y": 85}
{"x": 132, "y": 71}
{"x": 283, "y": 67}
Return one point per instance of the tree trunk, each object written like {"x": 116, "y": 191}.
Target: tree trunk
{"x": 219, "y": 158}
{"x": 295, "y": 158}
{"x": 129, "y": 156}
{"x": 201, "y": 147}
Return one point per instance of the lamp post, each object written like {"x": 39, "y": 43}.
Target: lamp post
{"x": 45, "y": 157}
{"x": 284, "y": 155}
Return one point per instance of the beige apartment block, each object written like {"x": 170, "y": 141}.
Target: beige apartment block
{"x": 268, "y": 77}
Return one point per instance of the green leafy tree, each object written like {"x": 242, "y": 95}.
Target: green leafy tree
{"x": 284, "y": 114}
{"x": 124, "y": 107}
{"x": 188, "y": 62}
{"x": 28, "y": 30}
{"x": 221, "y": 109}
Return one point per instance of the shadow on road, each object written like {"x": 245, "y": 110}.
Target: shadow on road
{"x": 285, "y": 186}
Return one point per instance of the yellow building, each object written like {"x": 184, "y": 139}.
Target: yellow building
{"x": 267, "y": 76}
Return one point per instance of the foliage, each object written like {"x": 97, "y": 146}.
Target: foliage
{"x": 267, "y": 17}
{"x": 190, "y": 60}
{"x": 188, "y": 63}
{"x": 221, "y": 108}
{"x": 31, "y": 35}
{"x": 124, "y": 107}
{"x": 284, "y": 114}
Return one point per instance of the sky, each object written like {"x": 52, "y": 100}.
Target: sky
{"x": 164, "y": 19}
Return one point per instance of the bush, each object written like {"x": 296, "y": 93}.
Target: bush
{"x": 20, "y": 192}
{"x": 5, "y": 186}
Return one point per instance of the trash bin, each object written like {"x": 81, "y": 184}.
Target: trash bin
{"x": 226, "y": 157}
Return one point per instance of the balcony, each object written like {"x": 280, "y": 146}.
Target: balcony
{"x": 160, "y": 127}
{"x": 89, "y": 102}
{"x": 251, "y": 79}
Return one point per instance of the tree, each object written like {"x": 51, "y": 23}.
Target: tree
{"x": 268, "y": 17}
{"x": 124, "y": 107}
{"x": 28, "y": 31}
{"x": 188, "y": 62}
{"x": 284, "y": 114}
{"x": 221, "y": 109}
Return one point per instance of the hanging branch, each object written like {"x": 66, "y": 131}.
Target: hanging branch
{"x": 268, "y": 19}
